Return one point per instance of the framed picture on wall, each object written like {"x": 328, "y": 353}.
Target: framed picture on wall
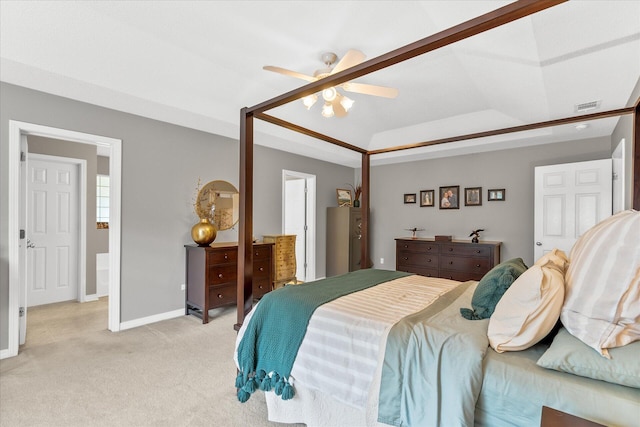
{"x": 473, "y": 196}
{"x": 344, "y": 197}
{"x": 410, "y": 198}
{"x": 426, "y": 198}
{"x": 496, "y": 195}
{"x": 449, "y": 197}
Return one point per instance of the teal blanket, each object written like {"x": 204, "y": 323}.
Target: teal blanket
{"x": 276, "y": 329}
{"x": 432, "y": 370}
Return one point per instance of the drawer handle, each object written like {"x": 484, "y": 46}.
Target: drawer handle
{"x": 257, "y": 254}
{"x": 220, "y": 296}
{"x": 429, "y": 260}
{"x": 429, "y": 248}
{"x": 260, "y": 287}
{"x": 226, "y": 256}
{"x": 405, "y": 258}
{"x": 450, "y": 249}
{"x": 261, "y": 269}
{"x": 477, "y": 265}
{"x": 220, "y": 276}
{"x": 478, "y": 251}
{"x": 450, "y": 262}
{"x": 406, "y": 246}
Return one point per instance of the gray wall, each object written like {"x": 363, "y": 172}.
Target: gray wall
{"x": 510, "y": 221}
{"x": 56, "y": 147}
{"x": 161, "y": 164}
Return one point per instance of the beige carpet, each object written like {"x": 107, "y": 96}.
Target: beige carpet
{"x": 73, "y": 372}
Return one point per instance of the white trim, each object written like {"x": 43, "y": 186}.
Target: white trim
{"x": 151, "y": 319}
{"x": 16, "y": 130}
{"x": 82, "y": 220}
{"x": 91, "y": 298}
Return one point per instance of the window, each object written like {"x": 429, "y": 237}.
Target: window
{"x": 102, "y": 207}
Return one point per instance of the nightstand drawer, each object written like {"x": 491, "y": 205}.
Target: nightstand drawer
{"x": 223, "y": 257}
{"x": 219, "y": 274}
{"x": 261, "y": 268}
{"x": 222, "y": 295}
{"x": 261, "y": 287}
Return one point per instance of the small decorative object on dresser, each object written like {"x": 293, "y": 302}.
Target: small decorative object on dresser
{"x": 344, "y": 197}
{"x": 476, "y": 235}
{"x": 413, "y": 231}
{"x": 284, "y": 258}
{"x": 211, "y": 276}
{"x": 456, "y": 260}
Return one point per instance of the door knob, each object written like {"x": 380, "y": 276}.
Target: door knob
{"x": 30, "y": 244}
{"x": 538, "y": 243}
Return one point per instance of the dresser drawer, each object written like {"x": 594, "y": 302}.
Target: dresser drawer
{"x": 466, "y": 250}
{"x": 224, "y": 256}
{"x": 459, "y": 275}
{"x": 427, "y": 272}
{"x": 219, "y": 274}
{"x": 262, "y": 252}
{"x": 425, "y": 247}
{"x": 416, "y": 258}
{"x": 261, "y": 286}
{"x": 469, "y": 264}
{"x": 261, "y": 268}
{"x": 222, "y": 295}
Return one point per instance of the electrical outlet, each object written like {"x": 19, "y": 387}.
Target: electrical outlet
{"x": 381, "y": 260}
{"x": 183, "y": 287}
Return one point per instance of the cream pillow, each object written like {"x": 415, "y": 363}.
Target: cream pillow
{"x": 602, "y": 304}
{"x": 530, "y": 308}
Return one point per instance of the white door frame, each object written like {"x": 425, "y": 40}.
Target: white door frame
{"x": 18, "y": 129}
{"x": 311, "y": 217}
{"x": 81, "y": 164}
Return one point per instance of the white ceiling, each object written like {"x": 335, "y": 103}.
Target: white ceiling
{"x": 197, "y": 63}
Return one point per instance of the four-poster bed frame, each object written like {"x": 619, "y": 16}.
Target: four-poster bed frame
{"x": 496, "y": 18}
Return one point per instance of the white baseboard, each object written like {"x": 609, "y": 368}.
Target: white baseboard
{"x": 89, "y": 298}
{"x": 151, "y": 319}
{"x": 5, "y": 353}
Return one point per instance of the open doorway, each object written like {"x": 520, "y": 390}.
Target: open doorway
{"x": 299, "y": 218}
{"x": 18, "y": 133}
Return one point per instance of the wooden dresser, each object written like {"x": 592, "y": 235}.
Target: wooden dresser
{"x": 457, "y": 259}
{"x": 212, "y": 271}
{"x": 284, "y": 258}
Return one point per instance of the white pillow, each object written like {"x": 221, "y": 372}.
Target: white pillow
{"x": 602, "y": 304}
{"x": 530, "y": 308}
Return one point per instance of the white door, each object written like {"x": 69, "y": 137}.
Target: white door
{"x": 53, "y": 231}
{"x": 569, "y": 199}
{"x": 298, "y": 217}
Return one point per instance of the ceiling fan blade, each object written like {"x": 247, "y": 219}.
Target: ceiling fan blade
{"x": 351, "y": 58}
{"x": 289, "y": 73}
{"x": 338, "y": 109}
{"x": 386, "y": 92}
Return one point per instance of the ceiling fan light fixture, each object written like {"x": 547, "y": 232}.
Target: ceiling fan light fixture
{"x": 309, "y": 100}
{"x": 327, "y": 110}
{"x": 346, "y": 102}
{"x": 329, "y": 94}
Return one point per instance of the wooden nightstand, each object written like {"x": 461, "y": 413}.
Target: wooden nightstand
{"x": 554, "y": 418}
{"x": 284, "y": 258}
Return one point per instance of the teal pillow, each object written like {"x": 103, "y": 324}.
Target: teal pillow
{"x": 491, "y": 288}
{"x": 568, "y": 354}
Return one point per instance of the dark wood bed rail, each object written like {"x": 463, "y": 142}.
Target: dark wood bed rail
{"x": 496, "y": 18}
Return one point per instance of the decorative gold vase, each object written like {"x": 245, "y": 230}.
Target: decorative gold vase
{"x": 203, "y": 233}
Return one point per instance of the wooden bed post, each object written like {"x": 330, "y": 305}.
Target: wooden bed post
{"x": 245, "y": 231}
{"x": 364, "y": 240}
{"x": 636, "y": 157}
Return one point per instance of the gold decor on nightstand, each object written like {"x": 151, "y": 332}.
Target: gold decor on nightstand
{"x": 284, "y": 258}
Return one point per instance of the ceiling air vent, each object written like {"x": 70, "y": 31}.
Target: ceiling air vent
{"x": 587, "y": 106}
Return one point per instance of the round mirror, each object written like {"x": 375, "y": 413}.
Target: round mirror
{"x": 218, "y": 202}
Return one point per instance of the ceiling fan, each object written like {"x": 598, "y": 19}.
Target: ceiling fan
{"x": 336, "y": 103}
